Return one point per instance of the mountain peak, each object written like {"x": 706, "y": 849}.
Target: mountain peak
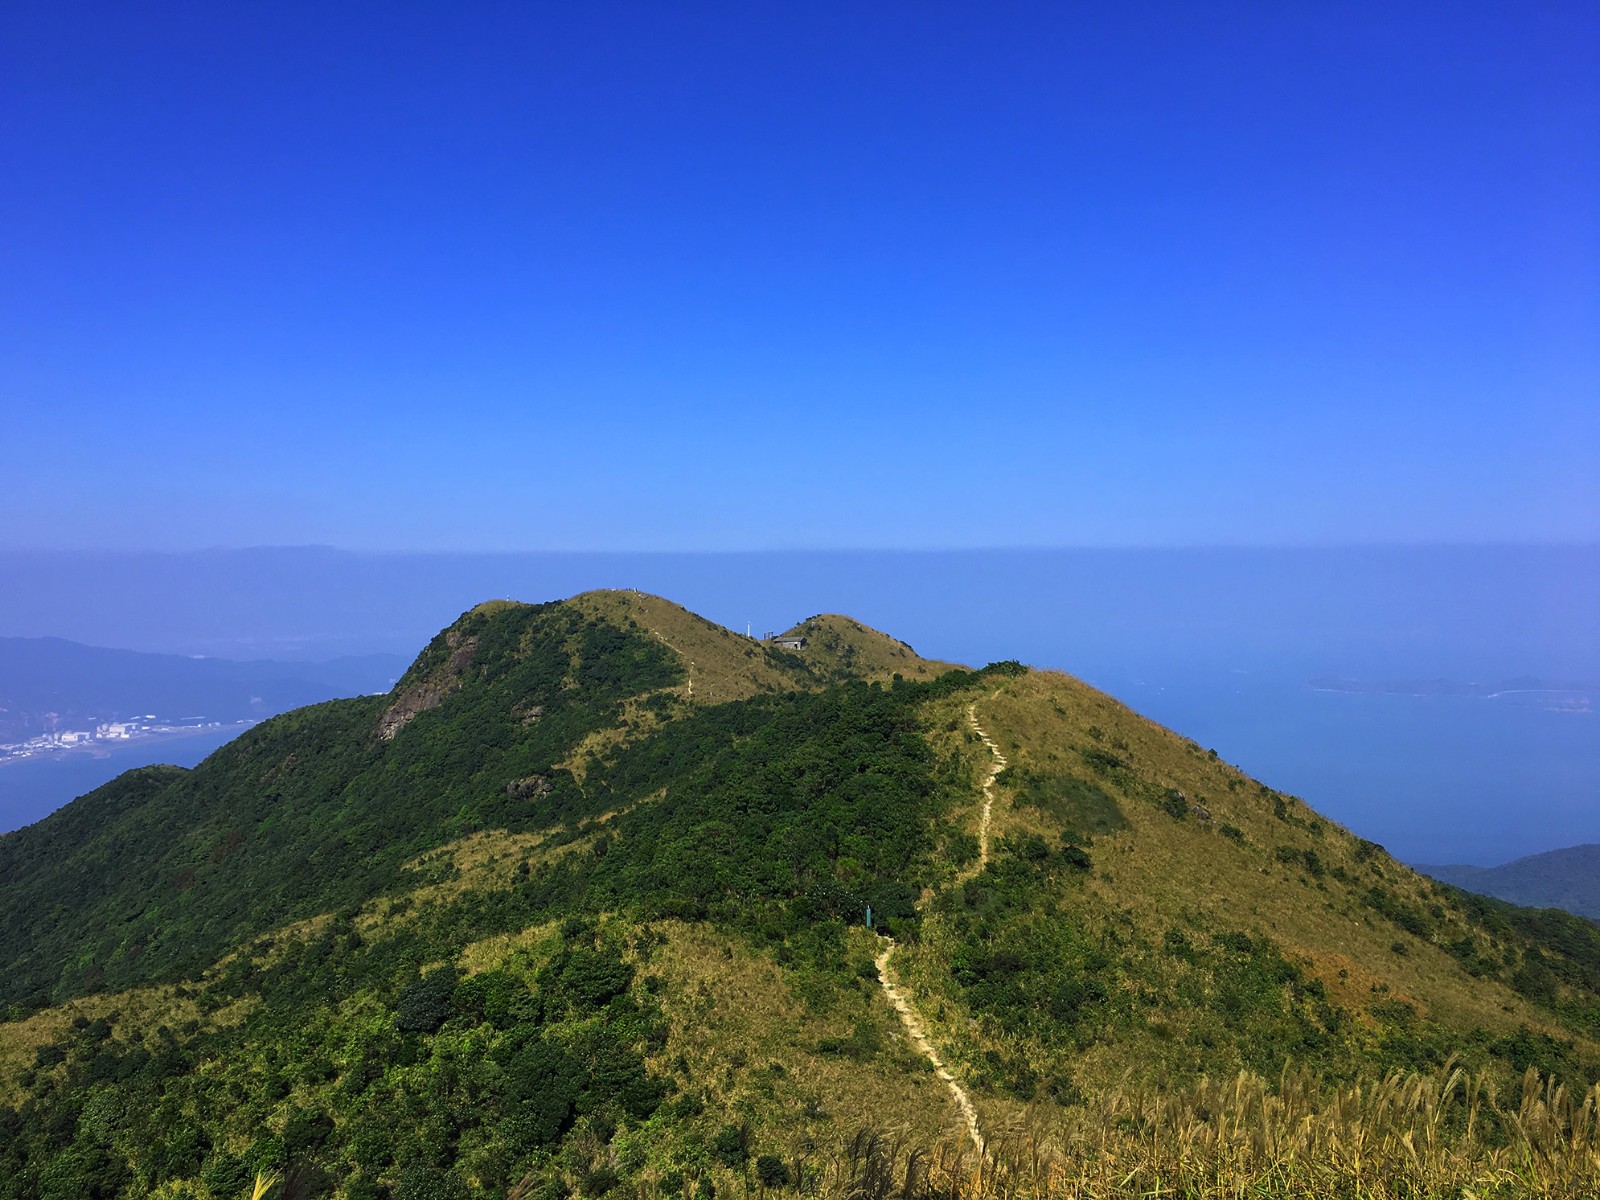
{"x": 723, "y": 664}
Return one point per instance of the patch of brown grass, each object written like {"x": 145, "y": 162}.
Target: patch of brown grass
{"x": 721, "y": 665}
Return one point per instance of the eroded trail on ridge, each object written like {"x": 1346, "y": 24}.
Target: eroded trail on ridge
{"x": 899, "y": 1000}
{"x": 995, "y": 768}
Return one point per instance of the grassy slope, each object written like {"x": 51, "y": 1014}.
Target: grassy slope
{"x": 1170, "y": 871}
{"x": 156, "y": 874}
{"x": 844, "y": 646}
{"x": 720, "y": 665}
{"x": 1164, "y": 892}
{"x": 726, "y": 665}
{"x": 730, "y": 666}
{"x": 794, "y": 1062}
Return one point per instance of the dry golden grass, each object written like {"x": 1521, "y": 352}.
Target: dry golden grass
{"x": 867, "y": 653}
{"x": 729, "y": 666}
{"x": 489, "y": 607}
{"x": 722, "y": 665}
{"x": 1403, "y": 1137}
{"x": 1160, "y": 874}
{"x": 1439, "y": 1136}
{"x": 20, "y": 1040}
{"x": 488, "y": 953}
{"x": 637, "y": 721}
{"x": 482, "y": 861}
{"x": 731, "y": 1014}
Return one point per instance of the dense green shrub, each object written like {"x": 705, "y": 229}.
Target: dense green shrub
{"x": 424, "y": 1004}
{"x": 1078, "y": 805}
{"x": 429, "y": 1183}
{"x": 731, "y": 1145}
{"x": 772, "y": 1171}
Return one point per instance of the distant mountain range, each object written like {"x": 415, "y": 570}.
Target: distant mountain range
{"x": 49, "y": 684}
{"x": 1568, "y": 878}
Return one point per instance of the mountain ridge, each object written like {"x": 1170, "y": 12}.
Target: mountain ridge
{"x": 596, "y": 910}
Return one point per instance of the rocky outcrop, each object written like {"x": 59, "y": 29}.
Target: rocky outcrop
{"x": 530, "y": 788}
{"x": 431, "y": 691}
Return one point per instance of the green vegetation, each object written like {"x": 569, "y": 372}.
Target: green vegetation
{"x": 1073, "y": 803}
{"x": 162, "y": 872}
{"x": 351, "y": 1060}
{"x": 564, "y": 915}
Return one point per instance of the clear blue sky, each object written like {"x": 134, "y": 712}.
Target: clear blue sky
{"x": 615, "y": 276}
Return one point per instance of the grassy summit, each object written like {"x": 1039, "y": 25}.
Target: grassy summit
{"x": 582, "y": 903}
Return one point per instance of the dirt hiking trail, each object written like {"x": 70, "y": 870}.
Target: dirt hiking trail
{"x": 899, "y": 1000}
{"x": 908, "y": 1017}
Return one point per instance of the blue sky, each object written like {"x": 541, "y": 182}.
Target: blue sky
{"x": 645, "y": 276}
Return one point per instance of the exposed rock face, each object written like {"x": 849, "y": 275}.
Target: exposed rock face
{"x": 529, "y": 788}
{"x": 430, "y": 692}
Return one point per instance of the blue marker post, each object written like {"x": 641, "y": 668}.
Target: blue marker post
{"x": 869, "y": 916}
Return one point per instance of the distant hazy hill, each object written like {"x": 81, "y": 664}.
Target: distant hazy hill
{"x": 1568, "y": 879}
{"x": 51, "y": 683}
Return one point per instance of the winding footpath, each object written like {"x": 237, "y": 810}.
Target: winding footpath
{"x": 995, "y": 768}
{"x": 899, "y": 1000}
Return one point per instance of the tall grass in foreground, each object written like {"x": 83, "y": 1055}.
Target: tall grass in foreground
{"x": 1406, "y": 1136}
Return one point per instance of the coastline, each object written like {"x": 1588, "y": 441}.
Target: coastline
{"x": 106, "y": 749}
